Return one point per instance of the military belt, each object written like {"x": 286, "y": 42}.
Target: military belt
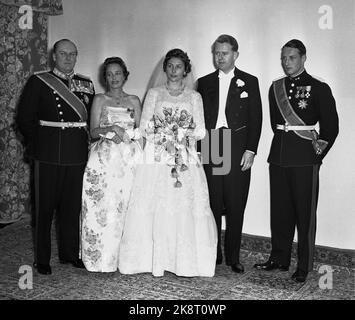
{"x": 62, "y": 125}
{"x": 286, "y": 127}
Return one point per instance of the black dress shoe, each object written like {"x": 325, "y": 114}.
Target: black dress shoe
{"x": 270, "y": 265}
{"x": 237, "y": 267}
{"x": 43, "y": 268}
{"x": 76, "y": 263}
{"x": 299, "y": 276}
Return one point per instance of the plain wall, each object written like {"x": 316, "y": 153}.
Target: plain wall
{"x": 142, "y": 31}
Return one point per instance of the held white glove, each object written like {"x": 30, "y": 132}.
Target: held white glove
{"x": 134, "y": 134}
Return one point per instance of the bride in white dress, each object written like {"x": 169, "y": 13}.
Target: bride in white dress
{"x": 169, "y": 225}
{"x": 110, "y": 169}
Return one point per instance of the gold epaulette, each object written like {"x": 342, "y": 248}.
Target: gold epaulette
{"x": 82, "y": 76}
{"x": 318, "y": 78}
{"x": 43, "y": 71}
{"x": 278, "y": 78}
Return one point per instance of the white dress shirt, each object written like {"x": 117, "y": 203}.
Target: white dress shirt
{"x": 224, "y": 83}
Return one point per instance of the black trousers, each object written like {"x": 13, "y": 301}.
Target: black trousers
{"x": 294, "y": 197}
{"x": 57, "y": 189}
{"x": 228, "y": 194}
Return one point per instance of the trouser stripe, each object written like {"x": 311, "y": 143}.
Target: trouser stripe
{"x": 312, "y": 225}
{"x": 36, "y": 182}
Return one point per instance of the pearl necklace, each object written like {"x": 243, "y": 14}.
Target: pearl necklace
{"x": 175, "y": 92}
{"x": 117, "y": 99}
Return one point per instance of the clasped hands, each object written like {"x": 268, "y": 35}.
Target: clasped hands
{"x": 120, "y": 135}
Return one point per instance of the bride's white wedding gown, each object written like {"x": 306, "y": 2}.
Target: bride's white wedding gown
{"x": 168, "y": 228}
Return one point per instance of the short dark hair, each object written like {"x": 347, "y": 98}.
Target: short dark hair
{"x": 178, "y": 53}
{"x": 115, "y": 60}
{"x": 226, "y": 38}
{"x": 297, "y": 44}
{"x": 55, "y": 46}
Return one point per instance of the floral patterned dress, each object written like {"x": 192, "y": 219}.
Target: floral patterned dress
{"x": 169, "y": 223}
{"x": 107, "y": 185}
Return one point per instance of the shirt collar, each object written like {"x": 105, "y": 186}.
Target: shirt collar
{"x": 228, "y": 75}
{"x": 62, "y": 75}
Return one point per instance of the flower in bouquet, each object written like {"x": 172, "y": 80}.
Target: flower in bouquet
{"x": 172, "y": 134}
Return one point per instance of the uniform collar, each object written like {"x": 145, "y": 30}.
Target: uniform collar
{"x": 62, "y": 74}
{"x": 298, "y": 76}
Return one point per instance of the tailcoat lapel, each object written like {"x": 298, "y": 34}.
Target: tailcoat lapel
{"x": 233, "y": 92}
{"x": 213, "y": 94}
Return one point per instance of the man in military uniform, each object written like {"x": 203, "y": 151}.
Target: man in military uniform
{"x": 52, "y": 115}
{"x": 297, "y": 103}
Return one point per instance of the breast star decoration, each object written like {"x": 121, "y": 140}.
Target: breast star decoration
{"x": 302, "y": 104}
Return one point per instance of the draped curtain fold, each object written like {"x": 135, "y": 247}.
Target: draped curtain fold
{"x": 23, "y": 51}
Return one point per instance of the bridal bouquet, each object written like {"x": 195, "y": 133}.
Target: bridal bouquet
{"x": 173, "y": 134}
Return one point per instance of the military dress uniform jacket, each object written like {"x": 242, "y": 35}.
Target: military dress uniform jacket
{"x": 243, "y": 106}
{"x": 313, "y": 102}
{"x": 55, "y": 145}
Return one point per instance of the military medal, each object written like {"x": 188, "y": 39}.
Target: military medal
{"x": 297, "y": 95}
{"x": 308, "y": 89}
{"x": 303, "y": 92}
{"x": 82, "y": 86}
{"x": 302, "y": 104}
{"x": 86, "y": 98}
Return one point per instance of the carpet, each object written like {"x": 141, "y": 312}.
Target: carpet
{"x": 19, "y": 281}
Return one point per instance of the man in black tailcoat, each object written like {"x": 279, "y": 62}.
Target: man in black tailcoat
{"x": 297, "y": 102}
{"x": 52, "y": 115}
{"x": 233, "y": 114}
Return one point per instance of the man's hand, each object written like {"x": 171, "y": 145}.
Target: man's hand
{"x": 247, "y": 160}
{"x": 319, "y": 146}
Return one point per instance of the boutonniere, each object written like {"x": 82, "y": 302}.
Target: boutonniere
{"x": 240, "y": 83}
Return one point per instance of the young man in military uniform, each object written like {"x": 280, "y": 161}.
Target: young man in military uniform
{"x": 52, "y": 115}
{"x": 297, "y": 103}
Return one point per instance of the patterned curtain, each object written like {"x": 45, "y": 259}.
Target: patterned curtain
{"x": 23, "y": 51}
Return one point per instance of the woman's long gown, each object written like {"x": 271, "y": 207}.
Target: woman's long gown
{"x": 168, "y": 228}
{"x": 107, "y": 186}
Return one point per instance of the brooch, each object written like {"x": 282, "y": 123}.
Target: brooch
{"x": 131, "y": 112}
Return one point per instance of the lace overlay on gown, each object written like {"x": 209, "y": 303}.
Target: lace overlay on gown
{"x": 167, "y": 228}
{"x": 107, "y": 185}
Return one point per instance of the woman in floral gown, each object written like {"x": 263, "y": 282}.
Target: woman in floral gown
{"x": 110, "y": 169}
{"x": 169, "y": 224}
